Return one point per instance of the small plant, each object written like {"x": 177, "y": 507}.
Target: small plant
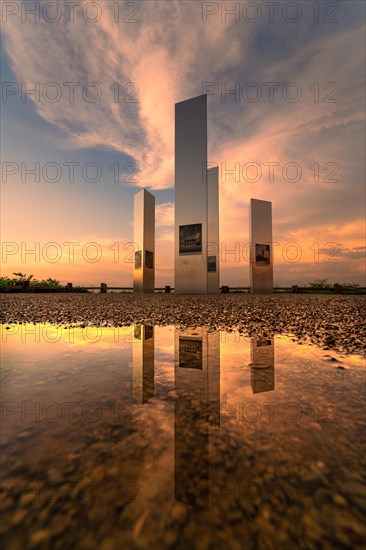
{"x": 22, "y": 278}
{"x": 348, "y": 285}
{"x": 79, "y": 289}
{"x": 4, "y": 283}
{"x": 320, "y": 283}
{"x": 45, "y": 282}
{"x": 18, "y": 282}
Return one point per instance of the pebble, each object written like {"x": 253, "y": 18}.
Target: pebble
{"x": 39, "y": 537}
{"x": 179, "y": 513}
{"x": 316, "y": 426}
{"x": 55, "y": 475}
{"x": 338, "y": 499}
{"x": 27, "y": 498}
{"x": 170, "y": 538}
{"x": 18, "y": 517}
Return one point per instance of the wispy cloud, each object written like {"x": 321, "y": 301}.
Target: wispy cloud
{"x": 169, "y": 55}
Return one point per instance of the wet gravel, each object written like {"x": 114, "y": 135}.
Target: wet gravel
{"x": 333, "y": 322}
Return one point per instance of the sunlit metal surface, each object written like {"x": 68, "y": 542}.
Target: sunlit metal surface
{"x": 144, "y": 239}
{"x": 261, "y": 249}
{"x": 213, "y": 244}
{"x": 191, "y": 193}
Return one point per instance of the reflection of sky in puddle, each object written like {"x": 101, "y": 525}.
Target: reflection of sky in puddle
{"x": 180, "y": 415}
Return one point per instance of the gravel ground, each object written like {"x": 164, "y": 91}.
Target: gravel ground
{"x": 333, "y": 322}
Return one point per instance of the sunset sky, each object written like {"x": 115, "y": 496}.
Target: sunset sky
{"x": 293, "y": 133}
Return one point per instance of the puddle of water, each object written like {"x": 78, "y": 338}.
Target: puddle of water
{"x": 156, "y": 437}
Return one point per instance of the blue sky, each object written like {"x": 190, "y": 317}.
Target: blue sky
{"x": 169, "y": 54}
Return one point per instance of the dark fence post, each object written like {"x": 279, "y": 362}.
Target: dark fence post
{"x": 225, "y": 289}
{"x": 295, "y": 289}
{"x": 167, "y": 289}
{"x": 338, "y": 289}
{"x": 69, "y": 287}
{"x": 103, "y": 288}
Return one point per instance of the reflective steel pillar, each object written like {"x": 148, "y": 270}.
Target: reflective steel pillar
{"x": 213, "y": 236}
{"x": 144, "y": 239}
{"x": 196, "y": 202}
{"x": 261, "y": 249}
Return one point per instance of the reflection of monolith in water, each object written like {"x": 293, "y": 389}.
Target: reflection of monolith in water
{"x": 143, "y": 363}
{"x": 262, "y": 364}
{"x": 197, "y": 405}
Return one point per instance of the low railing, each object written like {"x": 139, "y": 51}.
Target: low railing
{"x": 224, "y": 289}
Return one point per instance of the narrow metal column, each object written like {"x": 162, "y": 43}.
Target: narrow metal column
{"x": 191, "y": 196}
{"x": 261, "y": 249}
{"x": 144, "y": 239}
